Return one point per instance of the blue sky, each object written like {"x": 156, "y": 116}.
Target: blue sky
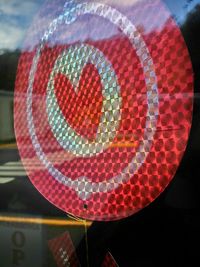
{"x": 182, "y": 7}
{"x": 17, "y": 15}
{"x": 15, "y": 18}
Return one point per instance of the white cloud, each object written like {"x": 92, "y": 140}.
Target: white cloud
{"x": 125, "y": 3}
{"x": 17, "y": 8}
{"x": 10, "y": 36}
{"x": 14, "y": 15}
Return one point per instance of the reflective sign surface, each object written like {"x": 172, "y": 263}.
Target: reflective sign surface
{"x": 103, "y": 105}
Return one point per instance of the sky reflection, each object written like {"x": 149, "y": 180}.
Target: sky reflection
{"x": 16, "y": 16}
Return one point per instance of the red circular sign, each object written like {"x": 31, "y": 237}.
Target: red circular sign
{"x": 103, "y": 105}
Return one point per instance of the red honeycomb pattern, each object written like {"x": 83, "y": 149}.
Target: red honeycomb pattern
{"x": 109, "y": 261}
{"x": 83, "y": 110}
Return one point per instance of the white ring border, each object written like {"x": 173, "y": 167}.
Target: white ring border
{"x": 82, "y": 186}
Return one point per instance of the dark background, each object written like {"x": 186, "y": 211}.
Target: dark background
{"x": 166, "y": 233}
